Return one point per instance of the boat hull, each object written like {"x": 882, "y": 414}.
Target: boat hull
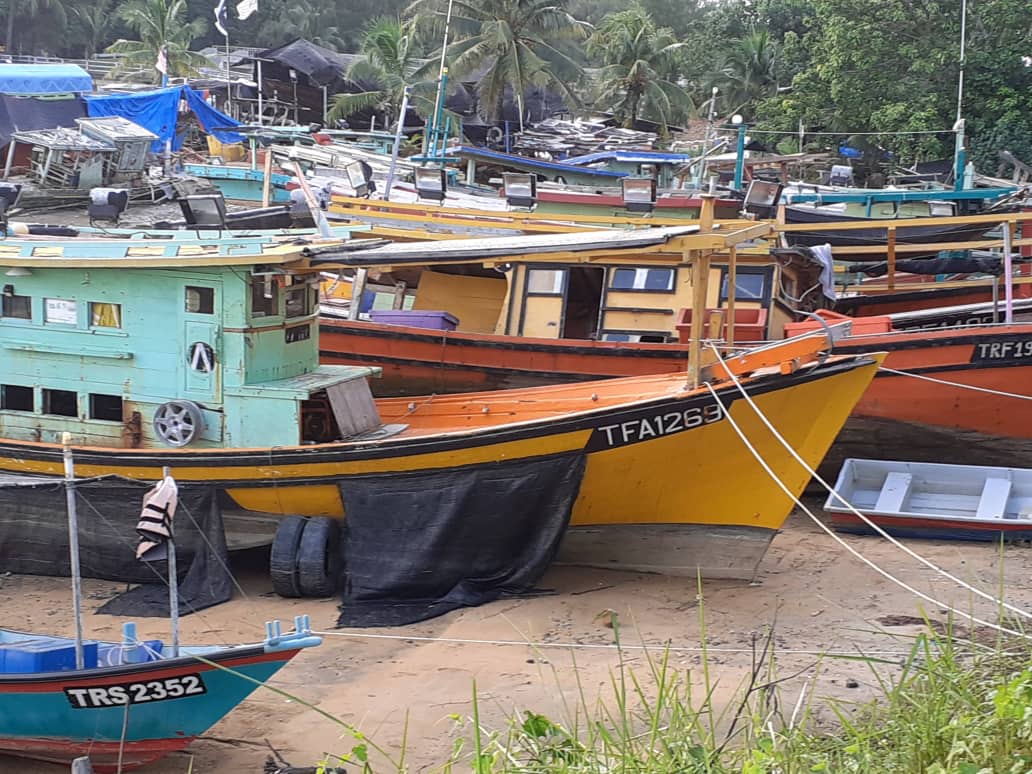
{"x": 670, "y": 462}
{"x": 78, "y": 716}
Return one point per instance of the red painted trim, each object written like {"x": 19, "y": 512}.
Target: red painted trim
{"x": 103, "y": 755}
{"x": 151, "y": 671}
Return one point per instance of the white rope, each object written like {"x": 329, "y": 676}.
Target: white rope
{"x": 884, "y": 573}
{"x": 957, "y": 384}
{"x": 905, "y": 549}
{"x": 662, "y": 646}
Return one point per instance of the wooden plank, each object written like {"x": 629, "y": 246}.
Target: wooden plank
{"x": 353, "y": 407}
{"x": 267, "y": 181}
{"x": 893, "y": 493}
{"x": 890, "y": 247}
{"x": 993, "y": 502}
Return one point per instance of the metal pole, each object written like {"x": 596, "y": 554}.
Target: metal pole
{"x": 325, "y": 106}
{"x": 397, "y": 143}
{"x": 73, "y": 546}
{"x": 963, "y": 48}
{"x": 740, "y": 157}
{"x": 173, "y": 580}
{"x": 1008, "y": 277}
{"x": 996, "y": 299}
{"x": 260, "y": 93}
{"x": 440, "y": 74}
{"x": 229, "y": 84}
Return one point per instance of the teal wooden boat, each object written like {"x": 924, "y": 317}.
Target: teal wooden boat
{"x": 134, "y": 701}
{"x": 242, "y": 183}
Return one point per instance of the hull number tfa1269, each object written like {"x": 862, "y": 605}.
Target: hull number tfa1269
{"x": 654, "y": 426}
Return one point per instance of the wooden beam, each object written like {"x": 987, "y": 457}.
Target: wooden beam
{"x": 700, "y": 264}
{"x": 890, "y": 246}
{"x": 732, "y": 277}
{"x": 267, "y": 180}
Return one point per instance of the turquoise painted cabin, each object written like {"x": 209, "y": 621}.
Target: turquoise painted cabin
{"x": 96, "y": 346}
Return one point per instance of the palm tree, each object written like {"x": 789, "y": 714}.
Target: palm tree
{"x": 311, "y": 20}
{"x": 27, "y": 13}
{"x": 93, "y": 21}
{"x": 748, "y": 73}
{"x": 508, "y": 44}
{"x": 159, "y": 23}
{"x": 387, "y": 66}
{"x": 639, "y": 68}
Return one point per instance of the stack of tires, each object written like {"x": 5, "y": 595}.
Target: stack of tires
{"x": 305, "y": 559}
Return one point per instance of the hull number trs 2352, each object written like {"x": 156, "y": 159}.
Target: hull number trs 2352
{"x": 142, "y": 692}
{"x": 665, "y": 423}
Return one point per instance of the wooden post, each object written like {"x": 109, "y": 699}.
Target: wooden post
{"x": 1008, "y": 273}
{"x": 10, "y": 158}
{"x": 709, "y": 205}
{"x": 358, "y": 284}
{"x": 399, "y": 296}
{"x": 73, "y": 546}
{"x": 700, "y": 274}
{"x": 732, "y": 277}
{"x": 267, "y": 179}
{"x": 891, "y": 245}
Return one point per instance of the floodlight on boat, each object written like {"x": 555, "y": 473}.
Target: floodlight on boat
{"x": 639, "y": 193}
{"x": 762, "y": 196}
{"x": 520, "y": 189}
{"x": 359, "y": 176}
{"x": 204, "y": 210}
{"x": 107, "y": 204}
{"x": 431, "y": 183}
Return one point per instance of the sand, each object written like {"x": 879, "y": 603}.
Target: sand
{"x": 417, "y": 679}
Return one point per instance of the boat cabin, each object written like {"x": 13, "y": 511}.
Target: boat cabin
{"x": 129, "y": 344}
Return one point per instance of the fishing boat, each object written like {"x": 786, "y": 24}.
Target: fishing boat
{"x": 206, "y": 362}
{"x": 133, "y": 702}
{"x": 933, "y": 500}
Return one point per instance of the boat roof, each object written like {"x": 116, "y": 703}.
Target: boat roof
{"x": 570, "y": 246}
{"x": 149, "y": 253}
{"x": 525, "y": 162}
{"x": 631, "y": 157}
{"x": 57, "y": 78}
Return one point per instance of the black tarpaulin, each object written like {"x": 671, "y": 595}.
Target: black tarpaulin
{"x": 34, "y": 541}
{"x": 322, "y": 66}
{"x": 929, "y": 266}
{"x": 420, "y": 545}
{"x": 24, "y": 114}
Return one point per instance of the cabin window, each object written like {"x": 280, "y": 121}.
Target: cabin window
{"x": 62, "y": 403}
{"x": 103, "y": 315}
{"x": 751, "y": 284}
{"x": 200, "y": 300}
{"x": 545, "y": 282}
{"x": 61, "y": 311}
{"x": 298, "y": 301}
{"x": 106, "y": 407}
{"x": 264, "y": 296}
{"x": 17, "y": 307}
{"x": 14, "y": 397}
{"x": 656, "y": 280}
{"x": 297, "y": 333}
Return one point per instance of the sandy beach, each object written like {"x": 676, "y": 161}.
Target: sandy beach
{"x": 415, "y": 680}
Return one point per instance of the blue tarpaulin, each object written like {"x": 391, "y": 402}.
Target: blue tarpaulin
{"x": 43, "y": 79}
{"x": 158, "y": 110}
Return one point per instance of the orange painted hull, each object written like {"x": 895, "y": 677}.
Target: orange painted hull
{"x": 998, "y": 358}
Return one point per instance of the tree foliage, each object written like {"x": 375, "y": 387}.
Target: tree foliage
{"x": 640, "y": 68}
{"x": 157, "y": 24}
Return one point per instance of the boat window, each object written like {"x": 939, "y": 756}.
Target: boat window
{"x": 104, "y": 315}
{"x": 264, "y": 296}
{"x": 60, "y": 310}
{"x": 106, "y": 407}
{"x": 751, "y": 284}
{"x": 200, "y": 300}
{"x": 298, "y": 299}
{"x": 62, "y": 403}
{"x": 17, "y": 307}
{"x": 546, "y": 282}
{"x": 297, "y": 333}
{"x": 14, "y": 397}
{"x": 661, "y": 280}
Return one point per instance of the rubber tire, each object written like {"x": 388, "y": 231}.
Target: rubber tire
{"x": 283, "y": 557}
{"x": 318, "y": 558}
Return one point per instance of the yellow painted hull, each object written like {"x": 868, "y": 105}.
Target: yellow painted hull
{"x": 644, "y": 465}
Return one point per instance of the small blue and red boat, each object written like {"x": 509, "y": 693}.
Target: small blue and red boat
{"x": 133, "y": 702}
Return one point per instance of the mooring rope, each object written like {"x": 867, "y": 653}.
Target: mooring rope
{"x": 872, "y": 525}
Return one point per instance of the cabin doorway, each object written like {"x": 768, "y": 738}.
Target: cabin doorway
{"x": 583, "y": 311}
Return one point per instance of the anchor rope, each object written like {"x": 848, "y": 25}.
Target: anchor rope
{"x": 947, "y": 383}
{"x": 872, "y": 525}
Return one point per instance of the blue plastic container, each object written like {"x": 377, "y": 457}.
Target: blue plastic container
{"x": 416, "y": 318}
{"x": 42, "y": 654}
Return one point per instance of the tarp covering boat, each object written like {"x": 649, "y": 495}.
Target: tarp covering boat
{"x": 158, "y": 111}
{"x": 44, "y": 79}
{"x": 24, "y": 114}
{"x": 930, "y": 266}
{"x": 34, "y": 541}
{"x": 455, "y": 538}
